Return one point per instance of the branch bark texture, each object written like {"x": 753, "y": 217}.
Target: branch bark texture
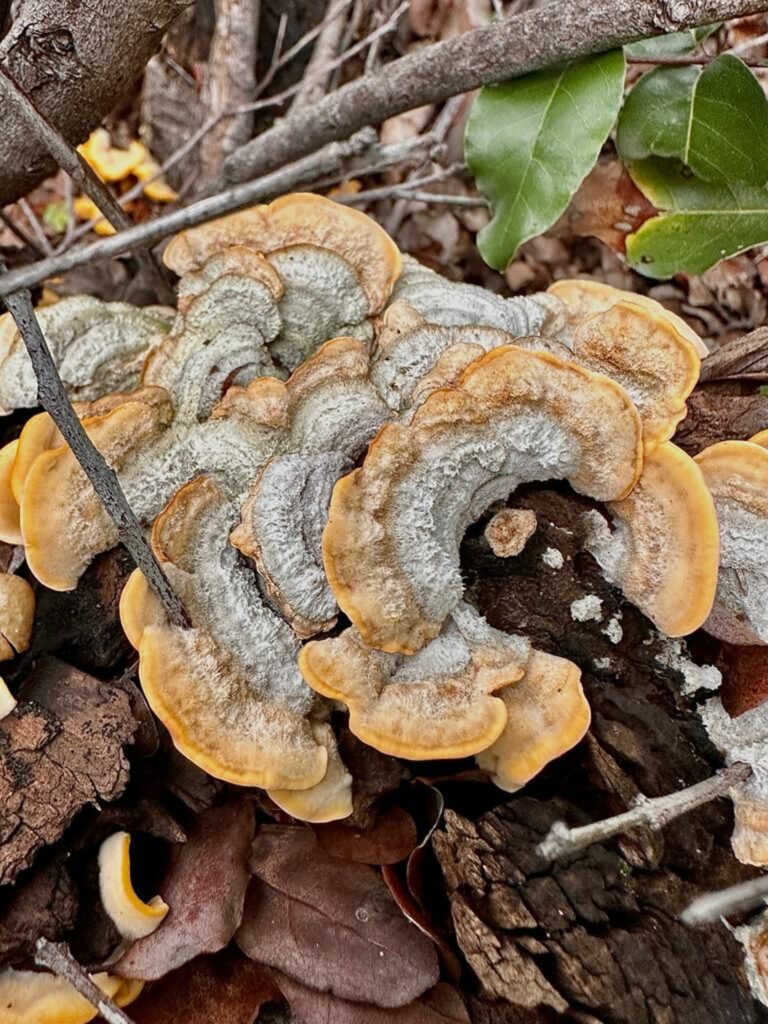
{"x": 75, "y": 61}
{"x": 505, "y": 49}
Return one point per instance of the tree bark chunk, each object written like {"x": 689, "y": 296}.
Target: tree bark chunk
{"x": 75, "y": 61}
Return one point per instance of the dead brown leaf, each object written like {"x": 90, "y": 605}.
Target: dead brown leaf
{"x": 204, "y": 887}
{"x": 607, "y": 205}
{"x": 441, "y": 1005}
{"x": 745, "y": 677}
{"x": 331, "y": 923}
{"x": 225, "y": 988}
{"x": 388, "y": 839}
{"x": 60, "y": 749}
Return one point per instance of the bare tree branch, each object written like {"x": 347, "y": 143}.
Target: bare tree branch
{"x": 548, "y": 35}
{"x": 315, "y": 78}
{"x": 77, "y": 60}
{"x": 69, "y": 160}
{"x": 102, "y": 477}
{"x": 360, "y": 155}
{"x": 230, "y": 79}
{"x": 57, "y": 958}
{"x": 734, "y": 900}
{"x": 656, "y": 813}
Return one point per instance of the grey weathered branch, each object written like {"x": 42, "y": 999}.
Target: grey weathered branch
{"x": 102, "y": 477}
{"x": 57, "y": 958}
{"x": 505, "y": 49}
{"x": 67, "y": 157}
{"x": 230, "y": 79}
{"x": 77, "y": 62}
{"x": 360, "y": 155}
{"x": 655, "y": 813}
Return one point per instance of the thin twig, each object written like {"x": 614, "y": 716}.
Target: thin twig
{"x": 102, "y": 477}
{"x": 723, "y": 902}
{"x": 359, "y": 155}
{"x": 21, "y": 234}
{"x": 40, "y": 236}
{"x": 550, "y": 34}
{"x": 315, "y": 79}
{"x": 57, "y": 958}
{"x": 76, "y": 167}
{"x": 654, "y": 813}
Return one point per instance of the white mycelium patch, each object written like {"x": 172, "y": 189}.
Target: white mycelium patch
{"x": 742, "y": 586}
{"x": 98, "y": 347}
{"x": 587, "y": 608}
{"x": 613, "y": 629}
{"x": 695, "y": 677}
{"x": 553, "y": 558}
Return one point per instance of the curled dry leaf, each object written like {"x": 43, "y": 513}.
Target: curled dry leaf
{"x": 65, "y": 737}
{"x": 204, "y": 887}
{"x": 389, "y": 838}
{"x": 347, "y": 935}
{"x": 441, "y": 1005}
{"x": 224, "y": 988}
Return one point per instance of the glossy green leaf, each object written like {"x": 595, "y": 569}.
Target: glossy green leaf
{"x": 693, "y": 140}
{"x": 531, "y": 142}
{"x": 673, "y": 44}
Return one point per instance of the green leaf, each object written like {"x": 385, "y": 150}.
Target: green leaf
{"x": 531, "y": 142}
{"x": 693, "y": 141}
{"x": 673, "y": 44}
{"x": 56, "y": 216}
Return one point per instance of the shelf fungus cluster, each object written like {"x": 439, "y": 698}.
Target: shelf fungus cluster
{"x": 306, "y": 447}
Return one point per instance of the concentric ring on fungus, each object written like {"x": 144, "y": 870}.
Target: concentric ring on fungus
{"x": 454, "y": 397}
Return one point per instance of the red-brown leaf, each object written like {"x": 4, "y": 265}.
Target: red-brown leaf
{"x": 205, "y": 889}
{"x": 225, "y": 988}
{"x": 390, "y": 838}
{"x": 441, "y": 1005}
{"x": 330, "y": 923}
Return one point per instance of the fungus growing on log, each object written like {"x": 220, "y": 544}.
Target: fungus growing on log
{"x": 391, "y": 547}
{"x": 247, "y": 486}
{"x": 98, "y": 347}
{"x": 17, "y": 611}
{"x": 132, "y": 917}
{"x": 736, "y": 473}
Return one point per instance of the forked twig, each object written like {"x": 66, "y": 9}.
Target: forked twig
{"x": 654, "y": 813}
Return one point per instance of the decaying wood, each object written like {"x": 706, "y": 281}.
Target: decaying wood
{"x": 76, "y": 62}
{"x": 230, "y": 80}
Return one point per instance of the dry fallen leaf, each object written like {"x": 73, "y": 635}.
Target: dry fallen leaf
{"x": 607, "y": 205}
{"x": 388, "y": 839}
{"x": 330, "y": 923}
{"x": 225, "y": 988}
{"x": 204, "y": 887}
{"x": 441, "y": 1005}
{"x": 64, "y": 738}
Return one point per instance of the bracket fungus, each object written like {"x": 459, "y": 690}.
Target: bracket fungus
{"x": 278, "y": 505}
{"x": 132, "y": 917}
{"x": 17, "y": 612}
{"x": 337, "y": 266}
{"x": 33, "y": 997}
{"x": 98, "y": 347}
{"x": 736, "y": 473}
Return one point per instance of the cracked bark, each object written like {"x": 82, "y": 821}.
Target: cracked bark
{"x": 75, "y": 60}
{"x": 594, "y": 937}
